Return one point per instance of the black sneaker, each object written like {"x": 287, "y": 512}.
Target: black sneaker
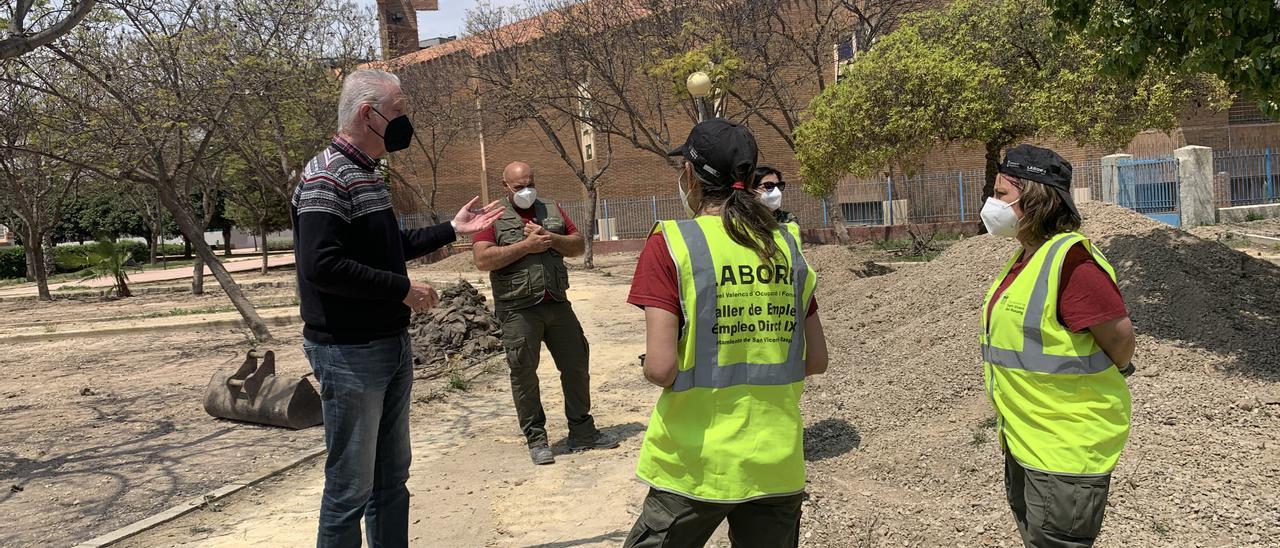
{"x": 599, "y": 440}
{"x": 541, "y": 454}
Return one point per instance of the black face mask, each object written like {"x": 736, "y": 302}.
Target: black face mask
{"x": 399, "y": 132}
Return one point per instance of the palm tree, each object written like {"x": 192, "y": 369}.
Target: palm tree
{"x": 108, "y": 258}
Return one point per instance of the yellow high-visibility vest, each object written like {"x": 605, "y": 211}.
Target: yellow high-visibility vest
{"x": 1062, "y": 407}
{"x": 729, "y": 428}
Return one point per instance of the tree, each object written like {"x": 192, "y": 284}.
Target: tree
{"x": 32, "y": 24}
{"x": 35, "y": 188}
{"x": 524, "y": 85}
{"x": 1234, "y": 40}
{"x": 108, "y": 258}
{"x": 985, "y": 72}
{"x": 160, "y": 89}
{"x": 253, "y": 203}
{"x": 442, "y": 108}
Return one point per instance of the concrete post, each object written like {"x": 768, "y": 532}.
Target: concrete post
{"x": 1195, "y": 186}
{"x": 1111, "y": 177}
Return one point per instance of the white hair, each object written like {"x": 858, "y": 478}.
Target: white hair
{"x": 363, "y": 87}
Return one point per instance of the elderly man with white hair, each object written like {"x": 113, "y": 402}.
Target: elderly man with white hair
{"x": 356, "y": 299}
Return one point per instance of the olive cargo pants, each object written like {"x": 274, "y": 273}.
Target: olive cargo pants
{"x": 1055, "y": 511}
{"x": 668, "y": 520}
{"x": 523, "y": 333}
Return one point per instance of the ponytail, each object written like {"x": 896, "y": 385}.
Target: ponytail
{"x": 748, "y": 222}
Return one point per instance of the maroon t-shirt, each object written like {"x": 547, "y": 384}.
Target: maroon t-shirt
{"x": 491, "y": 235}
{"x": 1086, "y": 295}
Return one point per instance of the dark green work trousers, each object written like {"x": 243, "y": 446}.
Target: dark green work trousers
{"x": 1055, "y": 511}
{"x": 523, "y": 333}
{"x": 669, "y": 520}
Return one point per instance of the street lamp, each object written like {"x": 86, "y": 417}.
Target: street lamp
{"x": 699, "y": 85}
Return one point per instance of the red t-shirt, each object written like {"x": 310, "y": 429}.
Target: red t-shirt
{"x": 490, "y": 235}
{"x": 656, "y": 283}
{"x": 1087, "y": 296}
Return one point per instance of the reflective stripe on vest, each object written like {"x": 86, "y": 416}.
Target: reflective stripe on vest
{"x": 1032, "y": 356}
{"x": 707, "y": 371}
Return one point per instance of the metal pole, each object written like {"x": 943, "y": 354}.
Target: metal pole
{"x": 889, "y": 184}
{"x": 961, "y": 173}
{"x": 701, "y": 103}
{"x": 824, "y": 212}
{"x": 1271, "y": 194}
{"x": 655, "y": 208}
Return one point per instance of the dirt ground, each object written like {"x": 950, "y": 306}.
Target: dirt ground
{"x": 898, "y": 441}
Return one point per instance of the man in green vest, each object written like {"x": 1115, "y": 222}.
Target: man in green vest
{"x": 524, "y": 254}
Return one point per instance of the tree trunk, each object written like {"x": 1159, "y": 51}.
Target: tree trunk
{"x": 47, "y": 254}
{"x": 151, "y": 246}
{"x": 262, "y": 229}
{"x": 589, "y": 236}
{"x": 197, "y": 276}
{"x": 226, "y": 241}
{"x": 35, "y": 252}
{"x": 186, "y": 247}
{"x": 431, "y": 204}
{"x": 187, "y": 225}
{"x": 993, "y": 167}
{"x": 122, "y": 286}
{"x": 836, "y": 214}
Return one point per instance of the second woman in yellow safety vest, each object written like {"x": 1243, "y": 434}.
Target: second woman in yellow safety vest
{"x": 731, "y": 333}
{"x": 1056, "y": 346}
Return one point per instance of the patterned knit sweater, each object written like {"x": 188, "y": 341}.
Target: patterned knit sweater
{"x": 350, "y": 250}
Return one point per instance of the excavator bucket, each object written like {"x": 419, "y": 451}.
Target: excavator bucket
{"x": 254, "y": 393}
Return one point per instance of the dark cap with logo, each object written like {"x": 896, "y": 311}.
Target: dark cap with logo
{"x": 718, "y": 148}
{"x": 1043, "y": 166}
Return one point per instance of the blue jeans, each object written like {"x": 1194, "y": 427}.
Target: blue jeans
{"x": 364, "y": 389}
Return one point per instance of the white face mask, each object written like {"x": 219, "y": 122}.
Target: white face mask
{"x": 525, "y": 198}
{"x": 1000, "y": 218}
{"x": 684, "y": 197}
{"x": 772, "y": 199}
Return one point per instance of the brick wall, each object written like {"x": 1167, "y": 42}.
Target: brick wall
{"x": 640, "y": 173}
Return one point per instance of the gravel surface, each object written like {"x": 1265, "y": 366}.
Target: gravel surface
{"x": 901, "y": 445}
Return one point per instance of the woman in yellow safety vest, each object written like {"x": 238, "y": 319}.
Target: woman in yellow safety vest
{"x": 1056, "y": 345}
{"x": 731, "y": 333}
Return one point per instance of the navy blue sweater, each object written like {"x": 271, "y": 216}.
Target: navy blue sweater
{"x": 350, "y": 250}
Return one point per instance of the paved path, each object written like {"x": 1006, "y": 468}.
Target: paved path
{"x": 178, "y": 273}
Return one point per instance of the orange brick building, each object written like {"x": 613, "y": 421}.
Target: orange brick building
{"x": 473, "y": 164}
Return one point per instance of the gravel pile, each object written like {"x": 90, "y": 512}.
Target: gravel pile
{"x": 902, "y": 449}
{"x": 1265, "y": 227}
{"x": 461, "y": 328}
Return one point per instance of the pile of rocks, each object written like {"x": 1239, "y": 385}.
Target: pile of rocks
{"x": 460, "y": 326}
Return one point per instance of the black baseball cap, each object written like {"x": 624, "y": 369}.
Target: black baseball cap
{"x": 717, "y": 148}
{"x": 1043, "y": 166}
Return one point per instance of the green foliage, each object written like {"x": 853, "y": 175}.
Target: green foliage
{"x": 985, "y": 71}
{"x": 1254, "y": 216}
{"x": 715, "y": 57}
{"x": 109, "y": 258}
{"x": 1234, "y": 40}
{"x": 13, "y": 262}
{"x": 891, "y": 106}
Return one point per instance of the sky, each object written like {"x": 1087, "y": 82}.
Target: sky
{"x": 450, "y": 20}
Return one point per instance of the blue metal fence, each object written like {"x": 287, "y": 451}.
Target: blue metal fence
{"x": 1150, "y": 186}
{"x": 1246, "y": 177}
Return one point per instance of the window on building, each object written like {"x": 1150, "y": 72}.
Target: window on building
{"x": 863, "y": 213}
{"x": 1245, "y": 111}
{"x": 844, "y": 51}
{"x": 588, "y": 152}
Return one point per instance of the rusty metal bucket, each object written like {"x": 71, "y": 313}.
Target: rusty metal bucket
{"x": 253, "y": 393}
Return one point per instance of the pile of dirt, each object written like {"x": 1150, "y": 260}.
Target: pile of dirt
{"x": 833, "y": 262}
{"x": 1265, "y": 227}
{"x": 461, "y": 261}
{"x": 460, "y": 328}
{"x": 918, "y": 464}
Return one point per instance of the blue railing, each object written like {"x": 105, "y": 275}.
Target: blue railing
{"x": 1246, "y": 177}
